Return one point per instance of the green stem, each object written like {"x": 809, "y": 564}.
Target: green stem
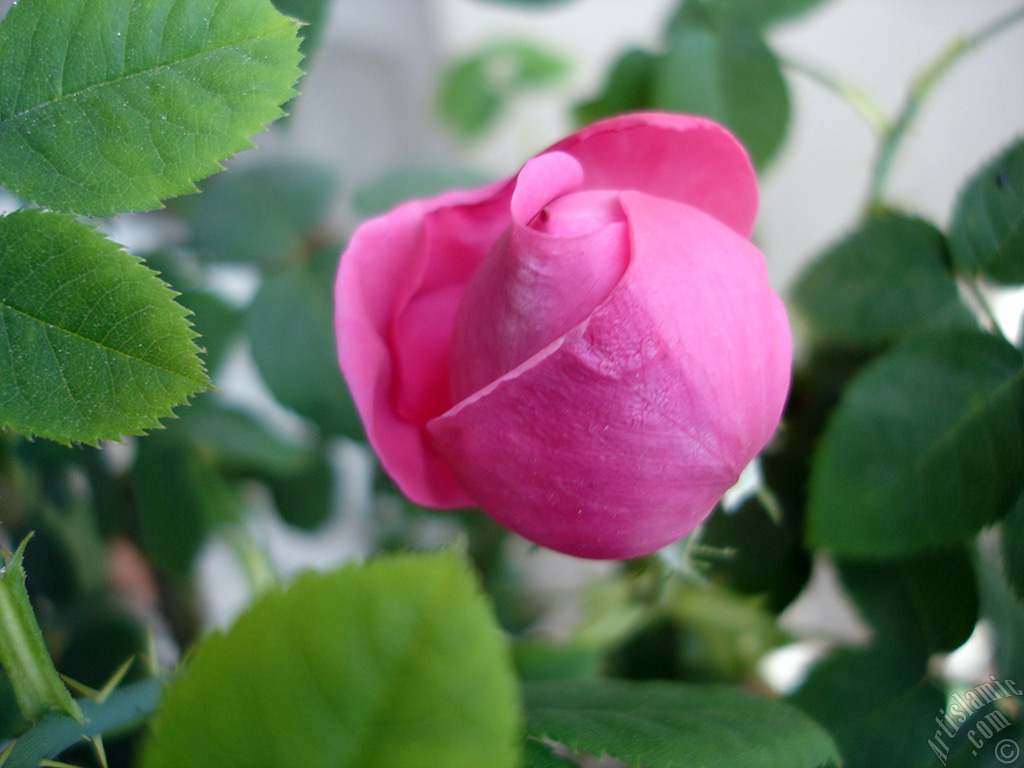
{"x": 853, "y": 95}
{"x": 919, "y": 91}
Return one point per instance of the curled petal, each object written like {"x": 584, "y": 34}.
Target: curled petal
{"x": 688, "y": 159}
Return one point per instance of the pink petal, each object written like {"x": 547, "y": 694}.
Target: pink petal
{"x": 621, "y": 436}
{"x": 678, "y": 157}
{"x": 395, "y": 305}
{"x": 558, "y": 261}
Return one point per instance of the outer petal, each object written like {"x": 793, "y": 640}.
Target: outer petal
{"x": 398, "y": 288}
{"x": 678, "y": 157}
{"x": 621, "y": 436}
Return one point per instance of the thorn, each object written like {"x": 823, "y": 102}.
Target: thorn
{"x": 108, "y": 688}
{"x": 8, "y": 554}
{"x": 101, "y": 753}
{"x": 6, "y": 753}
{"x": 77, "y": 687}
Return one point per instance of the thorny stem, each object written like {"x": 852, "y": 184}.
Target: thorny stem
{"x": 919, "y": 91}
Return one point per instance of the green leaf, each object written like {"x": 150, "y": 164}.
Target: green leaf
{"x": 313, "y": 15}
{"x": 304, "y": 498}
{"x": 112, "y": 105}
{"x": 217, "y": 324}
{"x": 291, "y": 327}
{"x": 262, "y": 213}
{"x": 474, "y": 90}
{"x": 884, "y": 280}
{"x": 23, "y": 653}
{"x": 666, "y": 725}
{"x": 987, "y": 233}
{"x": 753, "y": 13}
{"x": 180, "y": 496}
{"x": 412, "y": 182}
{"x": 92, "y": 344}
{"x": 394, "y": 664}
{"x": 925, "y": 448}
{"x": 628, "y": 88}
{"x": 539, "y": 755}
{"x": 1013, "y": 548}
{"x": 730, "y": 76}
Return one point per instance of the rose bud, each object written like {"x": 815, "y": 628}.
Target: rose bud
{"x": 589, "y": 351}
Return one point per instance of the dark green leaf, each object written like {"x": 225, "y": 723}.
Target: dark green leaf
{"x": 987, "y": 233}
{"x": 1002, "y": 610}
{"x": 262, "y": 213}
{"x": 546, "y": 660}
{"x": 239, "y": 443}
{"x": 217, "y": 324}
{"x": 925, "y": 448}
{"x": 291, "y": 329}
{"x": 304, "y": 499}
{"x": 730, "y": 76}
{"x": 884, "y": 280}
{"x": 539, "y": 755}
{"x": 753, "y": 13}
{"x": 628, "y": 88}
{"x": 1013, "y": 548}
{"x": 112, "y": 105}
{"x": 395, "y": 663}
{"x": 412, "y": 182}
{"x": 92, "y": 344}
{"x": 179, "y": 497}
{"x": 474, "y": 90}
{"x": 665, "y": 725}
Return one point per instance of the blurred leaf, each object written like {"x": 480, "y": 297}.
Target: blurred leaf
{"x": 304, "y": 498}
{"x": 412, "y": 182}
{"x": 548, "y": 660}
{"x": 628, "y": 88}
{"x": 925, "y": 448}
{"x": 395, "y": 663}
{"x": 753, "y": 13}
{"x": 987, "y": 233}
{"x": 239, "y": 443}
{"x": 94, "y": 345}
{"x": 665, "y": 725}
{"x": 1013, "y": 548}
{"x": 261, "y": 213}
{"x": 112, "y": 105}
{"x": 474, "y": 91}
{"x": 730, "y": 76}
{"x": 291, "y": 327}
{"x": 1002, "y": 609}
{"x": 179, "y": 497}
{"x": 100, "y": 638}
{"x": 884, "y": 280}
{"x": 760, "y": 555}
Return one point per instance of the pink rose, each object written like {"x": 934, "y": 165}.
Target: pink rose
{"x": 589, "y": 351}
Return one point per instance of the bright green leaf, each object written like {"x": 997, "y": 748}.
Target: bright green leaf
{"x": 92, "y": 344}
{"x": 925, "y": 448}
{"x": 474, "y": 90}
{"x": 987, "y": 233}
{"x": 291, "y": 328}
{"x": 628, "y": 88}
{"x": 412, "y": 182}
{"x": 882, "y": 281}
{"x": 1013, "y": 548}
{"x": 730, "y": 76}
{"x": 667, "y": 725}
{"x": 262, "y": 213}
{"x": 113, "y": 105}
{"x": 394, "y": 664}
